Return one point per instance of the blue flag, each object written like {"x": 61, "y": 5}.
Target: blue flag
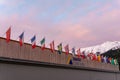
{"x": 73, "y": 51}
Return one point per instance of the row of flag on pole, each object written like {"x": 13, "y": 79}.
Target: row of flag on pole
{"x": 77, "y": 52}
{"x": 42, "y": 43}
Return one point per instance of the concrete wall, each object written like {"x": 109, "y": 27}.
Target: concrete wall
{"x": 95, "y": 64}
{"x": 24, "y": 72}
{"x": 13, "y": 50}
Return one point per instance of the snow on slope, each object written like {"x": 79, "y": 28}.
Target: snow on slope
{"x": 102, "y": 48}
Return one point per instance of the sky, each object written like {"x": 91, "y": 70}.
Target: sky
{"x": 79, "y": 23}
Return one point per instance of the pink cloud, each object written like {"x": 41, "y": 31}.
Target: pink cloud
{"x": 62, "y": 32}
{"x": 73, "y": 34}
{"x": 104, "y": 27}
{"x": 92, "y": 29}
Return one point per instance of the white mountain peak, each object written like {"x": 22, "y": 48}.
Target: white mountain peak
{"x": 106, "y": 46}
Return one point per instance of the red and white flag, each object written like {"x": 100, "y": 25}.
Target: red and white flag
{"x": 52, "y": 46}
{"x": 21, "y": 39}
{"x": 67, "y": 49}
{"x": 33, "y": 41}
{"x": 78, "y": 53}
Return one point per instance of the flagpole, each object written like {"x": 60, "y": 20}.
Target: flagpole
{"x": 49, "y": 44}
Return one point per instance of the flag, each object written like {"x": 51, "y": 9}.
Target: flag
{"x": 42, "y": 42}
{"x": 105, "y": 59}
{"x": 59, "y": 48}
{"x": 78, "y": 53}
{"x": 110, "y": 59}
{"x": 94, "y": 57}
{"x": 91, "y": 56}
{"x": 8, "y": 34}
{"x": 21, "y": 39}
{"x": 99, "y": 58}
{"x": 102, "y": 59}
{"x": 52, "y": 46}
{"x": 88, "y": 56}
{"x": 112, "y": 62}
{"x": 73, "y": 51}
{"x": 67, "y": 49}
{"x": 83, "y": 55}
{"x": 115, "y": 61}
{"x": 33, "y": 41}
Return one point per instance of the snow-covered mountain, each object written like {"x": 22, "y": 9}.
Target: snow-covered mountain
{"x": 102, "y": 48}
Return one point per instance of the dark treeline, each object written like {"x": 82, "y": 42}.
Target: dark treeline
{"x": 113, "y": 53}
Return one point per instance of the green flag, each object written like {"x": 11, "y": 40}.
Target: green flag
{"x": 42, "y": 42}
{"x": 112, "y": 62}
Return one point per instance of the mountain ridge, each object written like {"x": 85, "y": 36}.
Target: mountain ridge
{"x": 102, "y": 48}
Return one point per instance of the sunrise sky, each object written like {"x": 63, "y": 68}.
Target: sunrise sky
{"x": 79, "y": 23}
